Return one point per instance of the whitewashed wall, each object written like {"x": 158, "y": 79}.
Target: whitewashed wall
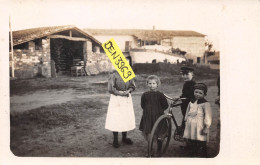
{"x": 194, "y": 46}
{"x": 120, "y": 40}
{"x": 147, "y": 57}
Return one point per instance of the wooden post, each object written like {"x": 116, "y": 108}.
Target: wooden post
{"x": 70, "y": 33}
{"x": 12, "y": 50}
{"x": 85, "y": 52}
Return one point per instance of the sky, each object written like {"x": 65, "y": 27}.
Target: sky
{"x": 211, "y": 18}
{"x": 201, "y": 16}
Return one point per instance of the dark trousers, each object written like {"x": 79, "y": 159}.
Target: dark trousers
{"x": 197, "y": 148}
{"x": 183, "y": 111}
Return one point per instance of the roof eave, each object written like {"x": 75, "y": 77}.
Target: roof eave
{"x": 40, "y": 36}
{"x": 67, "y": 28}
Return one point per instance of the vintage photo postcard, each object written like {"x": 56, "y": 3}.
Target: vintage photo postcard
{"x": 129, "y": 81}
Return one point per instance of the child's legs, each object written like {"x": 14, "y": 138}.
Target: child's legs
{"x": 159, "y": 145}
{"x": 147, "y": 138}
{"x": 183, "y": 111}
{"x": 202, "y": 149}
{"x": 193, "y": 147}
{"x": 115, "y": 135}
{"x": 124, "y": 134}
{"x": 125, "y": 139}
{"x": 115, "y": 141}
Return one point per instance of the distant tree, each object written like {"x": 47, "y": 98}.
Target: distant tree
{"x": 209, "y": 51}
{"x": 178, "y": 51}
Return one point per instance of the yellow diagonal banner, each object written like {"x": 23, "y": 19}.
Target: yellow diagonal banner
{"x": 118, "y": 60}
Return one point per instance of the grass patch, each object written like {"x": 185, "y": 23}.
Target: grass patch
{"x": 49, "y": 117}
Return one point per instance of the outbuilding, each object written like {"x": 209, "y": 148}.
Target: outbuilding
{"x": 52, "y": 51}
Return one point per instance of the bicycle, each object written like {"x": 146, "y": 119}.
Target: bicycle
{"x": 162, "y": 131}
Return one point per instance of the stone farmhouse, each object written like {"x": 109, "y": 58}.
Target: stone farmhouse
{"x": 145, "y": 46}
{"x": 53, "y": 51}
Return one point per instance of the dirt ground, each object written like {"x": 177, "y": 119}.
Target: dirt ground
{"x": 65, "y": 117}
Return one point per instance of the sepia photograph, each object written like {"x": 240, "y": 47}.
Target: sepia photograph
{"x": 69, "y": 99}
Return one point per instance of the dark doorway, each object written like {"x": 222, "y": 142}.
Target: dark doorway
{"x": 198, "y": 60}
{"x": 64, "y": 52}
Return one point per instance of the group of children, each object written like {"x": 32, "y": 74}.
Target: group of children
{"x": 196, "y": 111}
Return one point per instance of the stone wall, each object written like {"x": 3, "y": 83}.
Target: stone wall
{"x": 97, "y": 63}
{"x": 29, "y": 62}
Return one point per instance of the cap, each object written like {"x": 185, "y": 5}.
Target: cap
{"x": 185, "y": 70}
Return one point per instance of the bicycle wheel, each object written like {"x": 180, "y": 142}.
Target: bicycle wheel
{"x": 160, "y": 136}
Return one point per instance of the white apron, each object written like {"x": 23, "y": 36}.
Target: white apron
{"x": 195, "y": 123}
{"x": 120, "y": 114}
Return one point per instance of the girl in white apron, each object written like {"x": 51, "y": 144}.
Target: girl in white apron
{"x": 120, "y": 113}
{"x": 198, "y": 119}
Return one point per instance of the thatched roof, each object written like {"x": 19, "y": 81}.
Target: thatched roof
{"x": 22, "y": 36}
{"x": 152, "y": 35}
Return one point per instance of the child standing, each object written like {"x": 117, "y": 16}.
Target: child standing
{"x": 198, "y": 119}
{"x": 187, "y": 90}
{"x": 153, "y": 104}
{"x": 120, "y": 114}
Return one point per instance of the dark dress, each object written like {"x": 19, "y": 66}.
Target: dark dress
{"x": 153, "y": 103}
{"x": 187, "y": 92}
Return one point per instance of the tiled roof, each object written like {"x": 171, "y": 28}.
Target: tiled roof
{"x": 144, "y": 34}
{"x": 22, "y": 36}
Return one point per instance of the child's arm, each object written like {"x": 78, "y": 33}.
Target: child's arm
{"x": 132, "y": 86}
{"x": 142, "y": 101}
{"x": 163, "y": 101}
{"x": 112, "y": 89}
{"x": 208, "y": 118}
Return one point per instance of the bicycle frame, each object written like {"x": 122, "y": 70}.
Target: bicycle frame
{"x": 165, "y": 139}
{"x": 170, "y": 113}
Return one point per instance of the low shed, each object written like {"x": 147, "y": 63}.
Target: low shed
{"x": 45, "y": 50}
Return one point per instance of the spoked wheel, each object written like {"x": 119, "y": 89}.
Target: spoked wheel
{"x": 160, "y": 136}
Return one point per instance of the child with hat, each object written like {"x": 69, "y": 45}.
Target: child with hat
{"x": 198, "y": 119}
{"x": 187, "y": 90}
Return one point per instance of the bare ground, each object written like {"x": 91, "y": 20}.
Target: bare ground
{"x": 65, "y": 117}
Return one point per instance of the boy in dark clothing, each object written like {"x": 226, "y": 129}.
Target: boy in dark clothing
{"x": 186, "y": 96}
{"x": 187, "y": 90}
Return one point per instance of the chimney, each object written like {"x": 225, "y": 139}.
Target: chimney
{"x": 153, "y": 27}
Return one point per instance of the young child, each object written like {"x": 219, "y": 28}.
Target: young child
{"x": 187, "y": 90}
{"x": 153, "y": 104}
{"x": 120, "y": 113}
{"x": 198, "y": 119}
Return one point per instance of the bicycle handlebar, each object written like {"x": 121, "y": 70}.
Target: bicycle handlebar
{"x": 174, "y": 103}
{"x": 168, "y": 97}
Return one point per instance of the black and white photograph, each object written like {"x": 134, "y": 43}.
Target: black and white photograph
{"x": 68, "y": 100}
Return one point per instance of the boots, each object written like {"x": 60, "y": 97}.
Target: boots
{"x": 115, "y": 142}
{"x": 125, "y": 139}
